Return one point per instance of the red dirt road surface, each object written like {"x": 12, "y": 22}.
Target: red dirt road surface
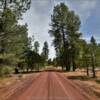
{"x": 52, "y": 86}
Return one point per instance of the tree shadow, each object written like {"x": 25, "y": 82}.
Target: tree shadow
{"x": 98, "y": 81}
{"x": 83, "y": 78}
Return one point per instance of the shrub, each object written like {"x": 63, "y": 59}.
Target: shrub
{"x": 5, "y": 70}
{"x": 1, "y": 72}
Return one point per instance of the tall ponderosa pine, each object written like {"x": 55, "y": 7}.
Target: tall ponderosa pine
{"x": 64, "y": 28}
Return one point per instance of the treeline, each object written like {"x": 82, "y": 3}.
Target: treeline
{"x": 71, "y": 50}
{"x": 16, "y": 50}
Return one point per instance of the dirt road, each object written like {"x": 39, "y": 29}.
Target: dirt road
{"x": 52, "y": 86}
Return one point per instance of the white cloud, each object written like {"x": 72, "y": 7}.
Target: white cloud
{"x": 83, "y": 8}
{"x": 86, "y": 7}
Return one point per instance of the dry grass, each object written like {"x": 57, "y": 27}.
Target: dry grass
{"x": 83, "y": 78}
{"x": 6, "y": 81}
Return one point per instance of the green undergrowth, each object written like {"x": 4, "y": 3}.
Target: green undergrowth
{"x": 5, "y": 70}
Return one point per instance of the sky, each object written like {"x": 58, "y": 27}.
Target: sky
{"x": 38, "y": 18}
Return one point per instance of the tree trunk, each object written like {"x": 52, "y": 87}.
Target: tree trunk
{"x": 73, "y": 62}
{"x": 38, "y": 67}
{"x": 16, "y": 71}
{"x": 93, "y": 67}
{"x": 69, "y": 61}
{"x": 93, "y": 70}
{"x": 65, "y": 60}
{"x": 74, "y": 66}
{"x": 67, "y": 68}
{"x": 27, "y": 69}
{"x": 87, "y": 67}
{"x": 62, "y": 68}
{"x": 87, "y": 71}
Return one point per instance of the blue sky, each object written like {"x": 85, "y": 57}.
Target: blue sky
{"x": 38, "y": 19}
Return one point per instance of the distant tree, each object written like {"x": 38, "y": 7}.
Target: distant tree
{"x": 49, "y": 62}
{"x": 84, "y": 56}
{"x": 55, "y": 62}
{"x": 93, "y": 46}
{"x": 45, "y": 51}
{"x": 36, "y": 46}
{"x": 32, "y": 59}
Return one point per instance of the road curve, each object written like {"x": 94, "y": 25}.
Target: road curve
{"x": 53, "y": 86}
